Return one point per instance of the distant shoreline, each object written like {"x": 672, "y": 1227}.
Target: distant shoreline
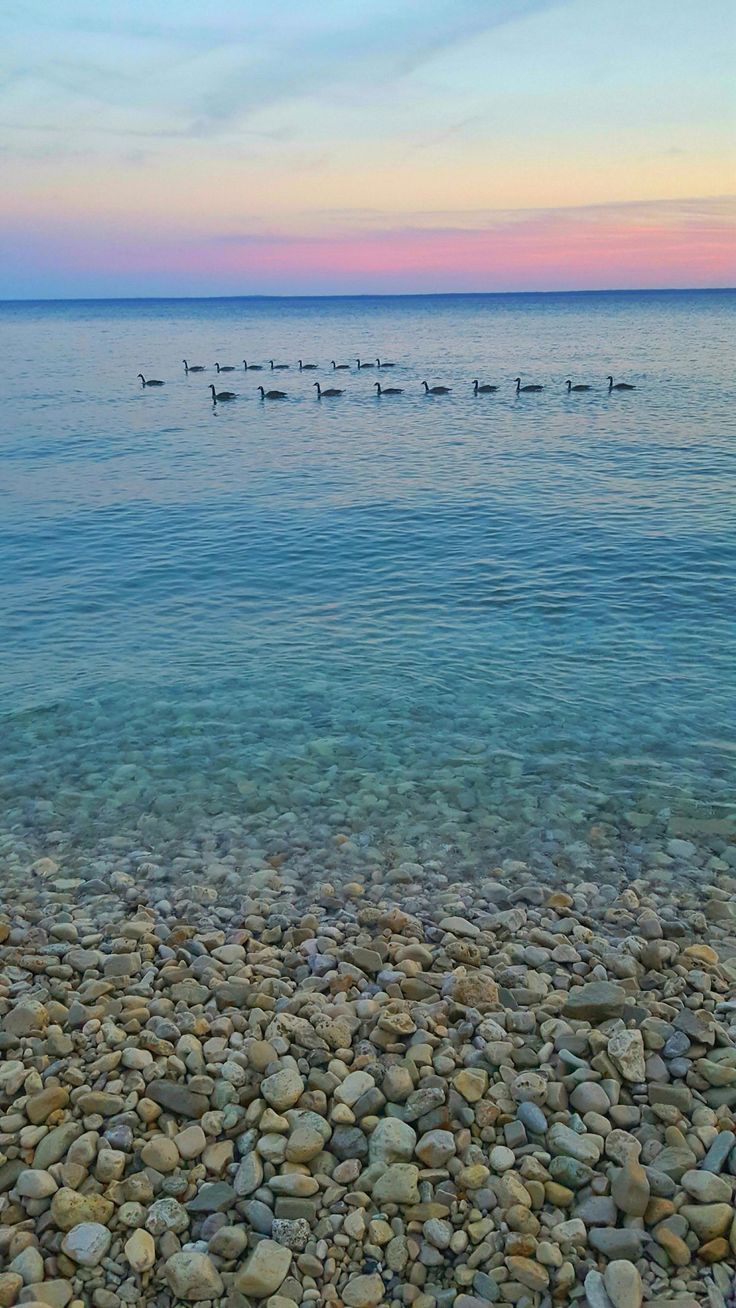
{"x": 371, "y": 295}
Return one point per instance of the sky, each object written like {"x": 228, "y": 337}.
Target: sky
{"x": 365, "y": 146}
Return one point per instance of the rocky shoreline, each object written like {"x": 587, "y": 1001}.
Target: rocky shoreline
{"x": 405, "y": 1092}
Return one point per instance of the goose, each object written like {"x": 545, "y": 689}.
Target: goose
{"x": 252, "y": 367}
{"x": 483, "y": 390}
{"x": 272, "y": 395}
{"x": 308, "y": 367}
{"x": 331, "y": 390}
{"x": 436, "y": 390}
{"x": 364, "y": 365}
{"x": 278, "y": 367}
{"x": 387, "y": 390}
{"x": 570, "y": 387}
{"x": 196, "y": 367}
{"x": 224, "y": 367}
{"x": 384, "y": 365}
{"x": 221, "y": 395}
{"x": 519, "y": 386}
{"x": 339, "y": 367}
{"x": 151, "y": 381}
{"x": 619, "y": 386}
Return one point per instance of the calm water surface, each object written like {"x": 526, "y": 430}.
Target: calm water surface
{"x": 451, "y": 628}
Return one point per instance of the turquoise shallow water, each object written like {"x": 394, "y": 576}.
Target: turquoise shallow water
{"x": 451, "y": 628}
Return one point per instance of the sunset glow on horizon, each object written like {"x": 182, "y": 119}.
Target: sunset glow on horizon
{"x": 473, "y": 145}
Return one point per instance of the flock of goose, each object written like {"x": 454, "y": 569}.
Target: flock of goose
{"x": 325, "y": 392}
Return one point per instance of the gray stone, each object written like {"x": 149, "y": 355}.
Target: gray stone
{"x": 192, "y": 1276}
{"x": 595, "y": 1002}
{"x": 676, "y": 1045}
{"x": 590, "y": 1097}
{"x": 87, "y": 1243}
{"x": 625, "y": 1243}
{"x": 29, "y": 1265}
{"x": 706, "y": 1187}
{"x": 259, "y": 1216}
{"x": 437, "y": 1232}
{"x": 563, "y": 1140}
{"x": 392, "y": 1141}
{"x": 166, "y": 1214}
{"x": 626, "y": 1050}
{"x": 249, "y": 1175}
{"x": 623, "y": 1284}
{"x": 717, "y": 1155}
{"x": 228, "y": 1242}
{"x": 569, "y": 1172}
{"x": 532, "y": 1118}
{"x": 348, "y": 1142}
{"x": 213, "y": 1197}
{"x": 486, "y": 1288}
{"x": 421, "y": 1102}
{"x": 283, "y": 1089}
{"x": 56, "y": 1144}
{"x": 175, "y": 1098}
{"x": 595, "y": 1291}
{"x": 675, "y": 1161}
{"x": 597, "y": 1210}
{"x": 291, "y": 1234}
{"x": 630, "y": 1189}
{"x": 36, "y": 1184}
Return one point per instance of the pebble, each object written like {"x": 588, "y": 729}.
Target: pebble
{"x": 364, "y": 1291}
{"x": 532, "y": 1118}
{"x": 36, "y": 1184}
{"x": 435, "y": 1148}
{"x": 398, "y": 1184}
{"x": 708, "y": 1221}
{"x": 623, "y": 1284}
{"x": 87, "y": 1243}
{"x": 716, "y": 1157}
{"x": 283, "y": 1089}
{"x": 595, "y": 1002}
{"x": 392, "y": 1141}
{"x": 630, "y": 1189}
{"x": 192, "y": 1276}
{"x": 626, "y": 1050}
{"x": 140, "y": 1251}
{"x": 264, "y": 1271}
{"x": 707, "y": 1187}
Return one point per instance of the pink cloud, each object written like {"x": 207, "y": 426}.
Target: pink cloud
{"x": 668, "y": 244}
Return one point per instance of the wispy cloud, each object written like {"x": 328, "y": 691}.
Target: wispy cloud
{"x": 346, "y": 223}
{"x": 180, "y": 74}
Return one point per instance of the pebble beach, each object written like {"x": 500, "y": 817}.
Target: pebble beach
{"x": 234, "y": 1080}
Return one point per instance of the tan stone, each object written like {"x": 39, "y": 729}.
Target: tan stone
{"x": 40, "y": 1107}
{"x": 69, "y": 1208}
{"x": 475, "y": 990}
{"x": 471, "y": 1083}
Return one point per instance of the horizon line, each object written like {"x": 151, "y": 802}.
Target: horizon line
{"x": 372, "y": 295}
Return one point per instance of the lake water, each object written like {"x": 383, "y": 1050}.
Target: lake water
{"x": 450, "y": 629}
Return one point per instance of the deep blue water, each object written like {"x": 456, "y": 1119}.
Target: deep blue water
{"x": 449, "y": 627}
